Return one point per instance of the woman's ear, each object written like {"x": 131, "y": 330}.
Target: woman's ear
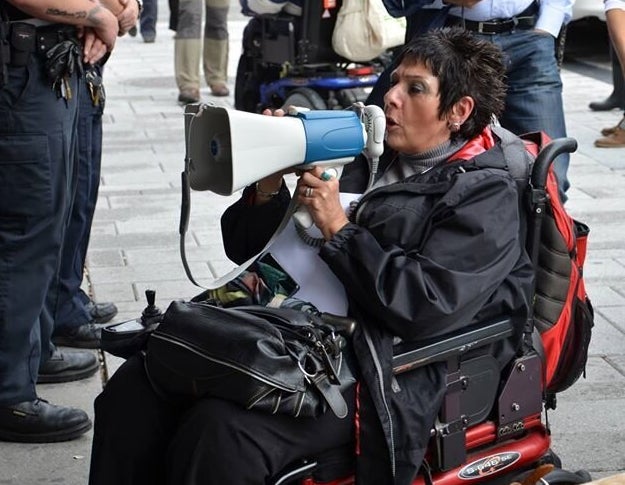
{"x": 462, "y": 109}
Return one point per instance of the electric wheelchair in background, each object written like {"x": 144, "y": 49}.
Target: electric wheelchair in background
{"x": 289, "y": 60}
{"x": 490, "y": 428}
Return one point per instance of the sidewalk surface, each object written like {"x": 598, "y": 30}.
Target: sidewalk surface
{"x": 134, "y": 246}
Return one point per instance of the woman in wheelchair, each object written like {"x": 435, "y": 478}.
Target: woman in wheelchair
{"x": 434, "y": 245}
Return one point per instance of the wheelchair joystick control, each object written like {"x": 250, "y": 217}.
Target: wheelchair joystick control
{"x": 151, "y": 311}
{"x": 127, "y": 338}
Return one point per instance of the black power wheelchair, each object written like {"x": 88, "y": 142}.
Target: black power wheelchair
{"x": 288, "y": 60}
{"x": 490, "y": 428}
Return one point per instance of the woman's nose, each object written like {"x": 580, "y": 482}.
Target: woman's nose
{"x": 391, "y": 96}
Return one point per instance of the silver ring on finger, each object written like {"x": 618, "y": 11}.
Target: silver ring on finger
{"x": 308, "y": 192}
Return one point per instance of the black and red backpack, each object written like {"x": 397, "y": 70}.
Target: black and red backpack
{"x": 562, "y": 311}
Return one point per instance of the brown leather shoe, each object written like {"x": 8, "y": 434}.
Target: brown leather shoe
{"x": 612, "y": 129}
{"x": 609, "y": 131}
{"x": 615, "y": 140}
{"x": 190, "y": 95}
{"x": 219, "y": 89}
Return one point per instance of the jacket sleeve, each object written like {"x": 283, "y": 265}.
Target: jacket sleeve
{"x": 468, "y": 248}
{"x": 246, "y": 228}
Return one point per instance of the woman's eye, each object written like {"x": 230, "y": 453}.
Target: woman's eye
{"x": 416, "y": 88}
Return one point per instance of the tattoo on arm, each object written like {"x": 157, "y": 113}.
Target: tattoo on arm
{"x": 79, "y": 14}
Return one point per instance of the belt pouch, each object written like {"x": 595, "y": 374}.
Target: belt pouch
{"x": 23, "y": 39}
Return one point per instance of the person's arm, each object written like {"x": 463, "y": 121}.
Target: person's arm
{"x": 246, "y": 227}
{"x": 126, "y": 11}
{"x": 615, "y": 17}
{"x": 82, "y": 13}
{"x": 553, "y": 14}
{"x": 439, "y": 278}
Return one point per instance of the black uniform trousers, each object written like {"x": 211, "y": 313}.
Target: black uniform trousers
{"x": 36, "y": 163}
{"x": 71, "y": 309}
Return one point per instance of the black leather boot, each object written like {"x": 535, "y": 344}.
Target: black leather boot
{"x": 617, "y": 98}
{"x": 67, "y": 367}
{"x": 39, "y": 421}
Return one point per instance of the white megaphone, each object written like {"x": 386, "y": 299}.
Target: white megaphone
{"x": 229, "y": 149}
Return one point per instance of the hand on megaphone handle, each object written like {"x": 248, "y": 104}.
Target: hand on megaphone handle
{"x": 321, "y": 199}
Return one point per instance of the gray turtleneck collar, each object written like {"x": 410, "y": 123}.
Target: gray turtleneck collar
{"x": 405, "y": 165}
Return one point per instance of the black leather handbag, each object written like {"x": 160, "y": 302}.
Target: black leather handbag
{"x": 277, "y": 360}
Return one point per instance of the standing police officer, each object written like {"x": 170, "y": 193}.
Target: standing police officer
{"x": 79, "y": 319}
{"x": 40, "y": 60}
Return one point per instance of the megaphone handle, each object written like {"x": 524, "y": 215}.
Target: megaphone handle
{"x": 303, "y": 218}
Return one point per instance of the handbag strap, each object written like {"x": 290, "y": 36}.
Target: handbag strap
{"x": 185, "y": 211}
{"x": 332, "y": 394}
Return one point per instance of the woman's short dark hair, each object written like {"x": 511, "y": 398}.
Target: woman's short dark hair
{"x": 464, "y": 66}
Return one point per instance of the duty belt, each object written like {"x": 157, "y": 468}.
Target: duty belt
{"x": 56, "y": 44}
{"x": 25, "y": 38}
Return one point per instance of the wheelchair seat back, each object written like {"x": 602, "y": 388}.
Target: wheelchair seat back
{"x": 299, "y": 40}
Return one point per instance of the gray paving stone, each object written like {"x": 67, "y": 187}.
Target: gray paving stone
{"x": 615, "y": 315}
{"x": 607, "y": 338}
{"x": 602, "y": 296}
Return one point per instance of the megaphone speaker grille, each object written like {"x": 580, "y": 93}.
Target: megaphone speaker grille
{"x": 221, "y": 147}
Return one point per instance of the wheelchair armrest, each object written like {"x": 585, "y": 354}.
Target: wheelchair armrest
{"x": 409, "y": 355}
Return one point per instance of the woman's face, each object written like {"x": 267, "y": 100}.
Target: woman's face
{"x": 411, "y": 108}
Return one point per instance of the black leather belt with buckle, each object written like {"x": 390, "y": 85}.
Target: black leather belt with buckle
{"x": 524, "y": 21}
{"x": 502, "y": 26}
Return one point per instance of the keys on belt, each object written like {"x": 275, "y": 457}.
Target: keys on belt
{"x": 95, "y": 86}
{"x": 62, "y": 61}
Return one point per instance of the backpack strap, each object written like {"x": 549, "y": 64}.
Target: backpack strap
{"x": 518, "y": 156}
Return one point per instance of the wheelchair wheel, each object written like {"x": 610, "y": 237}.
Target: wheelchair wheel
{"x": 305, "y": 98}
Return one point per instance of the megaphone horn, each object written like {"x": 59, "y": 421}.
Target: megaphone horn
{"x": 229, "y": 149}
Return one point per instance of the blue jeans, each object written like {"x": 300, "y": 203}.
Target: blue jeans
{"x": 149, "y": 15}
{"x": 534, "y": 98}
{"x": 37, "y": 137}
{"x": 70, "y": 307}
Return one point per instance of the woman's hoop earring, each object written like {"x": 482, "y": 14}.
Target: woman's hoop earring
{"x": 455, "y": 126}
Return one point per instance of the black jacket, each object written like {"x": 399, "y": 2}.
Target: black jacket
{"x": 422, "y": 257}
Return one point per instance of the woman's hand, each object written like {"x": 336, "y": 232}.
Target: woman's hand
{"x": 267, "y": 187}
{"x": 321, "y": 198}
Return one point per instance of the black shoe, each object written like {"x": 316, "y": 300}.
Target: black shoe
{"x": 39, "y": 421}
{"x": 67, "y": 366}
{"x": 149, "y": 38}
{"x": 85, "y": 336}
{"x": 101, "y": 312}
{"x": 607, "y": 104}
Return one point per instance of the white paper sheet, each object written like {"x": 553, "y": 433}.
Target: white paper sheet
{"x": 317, "y": 283}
